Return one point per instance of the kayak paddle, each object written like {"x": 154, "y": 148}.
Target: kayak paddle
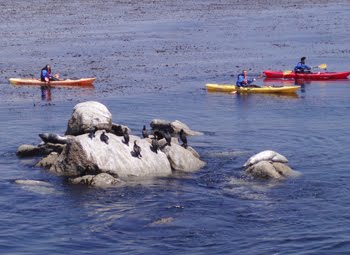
{"x": 322, "y": 66}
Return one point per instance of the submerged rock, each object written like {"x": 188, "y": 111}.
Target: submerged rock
{"x": 102, "y": 180}
{"x": 35, "y": 186}
{"x": 33, "y": 182}
{"x": 163, "y": 221}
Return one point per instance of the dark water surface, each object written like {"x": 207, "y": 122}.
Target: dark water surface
{"x": 162, "y": 75}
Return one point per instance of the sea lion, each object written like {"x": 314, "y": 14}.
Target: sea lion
{"x": 53, "y": 138}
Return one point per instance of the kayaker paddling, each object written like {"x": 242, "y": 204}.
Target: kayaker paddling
{"x": 243, "y": 80}
{"x": 45, "y": 74}
{"x": 302, "y": 67}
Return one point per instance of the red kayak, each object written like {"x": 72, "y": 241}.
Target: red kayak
{"x": 307, "y": 76}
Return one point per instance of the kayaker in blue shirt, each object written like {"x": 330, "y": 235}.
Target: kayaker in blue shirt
{"x": 46, "y": 75}
{"x": 301, "y": 67}
{"x": 242, "y": 79}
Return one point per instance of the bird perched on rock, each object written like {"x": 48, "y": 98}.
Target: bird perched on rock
{"x": 92, "y": 132}
{"x": 183, "y": 138}
{"x": 104, "y": 138}
{"x": 137, "y": 150}
{"x": 144, "y": 132}
{"x": 167, "y": 137}
{"x": 155, "y": 145}
{"x": 126, "y": 136}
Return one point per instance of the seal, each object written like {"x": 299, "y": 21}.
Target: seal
{"x": 53, "y": 138}
{"x": 267, "y": 155}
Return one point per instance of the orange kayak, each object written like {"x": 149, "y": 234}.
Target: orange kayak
{"x": 85, "y": 82}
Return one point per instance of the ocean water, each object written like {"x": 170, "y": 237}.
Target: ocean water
{"x": 152, "y": 61}
{"x": 215, "y": 210}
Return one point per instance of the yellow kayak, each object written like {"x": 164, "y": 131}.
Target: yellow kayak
{"x": 30, "y": 81}
{"x": 265, "y": 89}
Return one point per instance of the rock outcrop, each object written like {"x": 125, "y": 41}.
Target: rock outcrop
{"x": 269, "y": 165}
{"x": 172, "y": 127}
{"x": 94, "y": 151}
{"x": 89, "y": 115}
{"x": 102, "y": 180}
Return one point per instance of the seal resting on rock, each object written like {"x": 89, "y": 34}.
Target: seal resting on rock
{"x": 267, "y": 155}
{"x": 269, "y": 165}
{"x": 53, "y": 138}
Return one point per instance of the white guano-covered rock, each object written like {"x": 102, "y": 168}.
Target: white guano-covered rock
{"x": 87, "y": 115}
{"x": 178, "y": 125}
{"x": 92, "y": 156}
{"x": 182, "y": 159}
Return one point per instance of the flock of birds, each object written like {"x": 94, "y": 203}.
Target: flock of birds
{"x": 136, "y": 148}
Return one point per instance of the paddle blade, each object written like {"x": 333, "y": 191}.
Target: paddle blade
{"x": 287, "y": 72}
{"x": 323, "y": 66}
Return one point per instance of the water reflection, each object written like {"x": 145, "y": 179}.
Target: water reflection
{"x": 287, "y": 82}
{"x": 46, "y": 93}
{"x": 47, "y": 90}
{"x": 248, "y": 95}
